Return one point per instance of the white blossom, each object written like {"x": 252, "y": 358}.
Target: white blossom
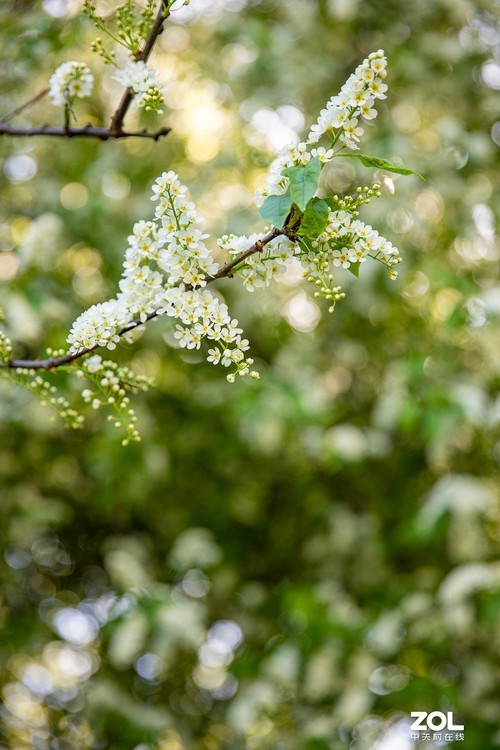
{"x": 339, "y": 119}
{"x": 261, "y": 268}
{"x": 166, "y": 268}
{"x": 143, "y": 82}
{"x": 167, "y": 263}
{"x": 346, "y": 240}
{"x": 356, "y": 98}
{"x": 69, "y": 80}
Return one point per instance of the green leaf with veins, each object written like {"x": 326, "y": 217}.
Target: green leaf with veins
{"x": 314, "y": 219}
{"x": 388, "y": 166}
{"x": 303, "y": 181}
{"x": 276, "y": 208}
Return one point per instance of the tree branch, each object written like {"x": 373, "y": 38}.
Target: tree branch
{"x": 257, "y": 247}
{"x": 88, "y": 131}
{"x": 51, "y": 363}
{"x": 155, "y": 31}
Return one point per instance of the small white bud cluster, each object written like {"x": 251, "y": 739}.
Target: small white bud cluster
{"x": 351, "y": 241}
{"x": 144, "y": 83}
{"x": 345, "y": 241}
{"x": 69, "y": 80}
{"x": 34, "y": 382}
{"x": 5, "y": 347}
{"x": 259, "y": 269}
{"x": 111, "y": 385}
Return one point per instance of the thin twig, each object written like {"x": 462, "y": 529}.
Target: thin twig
{"x": 155, "y": 31}
{"x": 29, "y": 103}
{"x": 67, "y": 115}
{"x": 89, "y": 131}
{"x": 226, "y": 271}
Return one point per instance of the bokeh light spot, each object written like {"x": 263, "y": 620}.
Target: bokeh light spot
{"x": 490, "y": 74}
{"x": 76, "y": 627}
{"x": 74, "y": 195}
{"x": 302, "y": 313}
{"x": 20, "y": 168}
{"x": 9, "y": 266}
{"x": 203, "y": 147}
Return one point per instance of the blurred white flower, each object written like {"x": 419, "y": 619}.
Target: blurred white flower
{"x": 460, "y": 494}
{"x": 69, "y": 80}
{"x": 144, "y": 83}
{"x": 465, "y": 580}
{"x": 195, "y": 547}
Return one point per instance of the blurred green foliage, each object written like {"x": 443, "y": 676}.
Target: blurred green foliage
{"x": 298, "y": 563}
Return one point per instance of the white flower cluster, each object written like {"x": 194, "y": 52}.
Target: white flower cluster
{"x": 339, "y": 119}
{"x": 69, "y": 80}
{"x": 166, "y": 266}
{"x": 144, "y": 83}
{"x": 347, "y": 240}
{"x": 261, "y": 268}
{"x": 358, "y": 240}
{"x": 356, "y": 99}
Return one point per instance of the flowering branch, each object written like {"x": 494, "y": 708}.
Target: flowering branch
{"x": 87, "y": 131}
{"x": 141, "y": 56}
{"x": 257, "y": 247}
{"x": 52, "y": 363}
{"x": 115, "y": 129}
{"x": 167, "y": 265}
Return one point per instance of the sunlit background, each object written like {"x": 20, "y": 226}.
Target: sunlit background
{"x": 298, "y": 563}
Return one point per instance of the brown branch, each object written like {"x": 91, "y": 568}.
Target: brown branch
{"x": 225, "y": 272}
{"x": 87, "y": 131}
{"x": 257, "y": 247}
{"x": 155, "y": 31}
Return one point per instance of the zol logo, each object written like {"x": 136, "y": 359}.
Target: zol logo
{"x": 435, "y": 721}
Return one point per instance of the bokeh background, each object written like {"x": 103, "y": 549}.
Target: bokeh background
{"x": 293, "y": 564}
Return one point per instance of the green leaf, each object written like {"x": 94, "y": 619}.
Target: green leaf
{"x": 332, "y": 202}
{"x": 276, "y": 208}
{"x": 303, "y": 181}
{"x": 376, "y": 161}
{"x": 354, "y": 269}
{"x": 314, "y": 219}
